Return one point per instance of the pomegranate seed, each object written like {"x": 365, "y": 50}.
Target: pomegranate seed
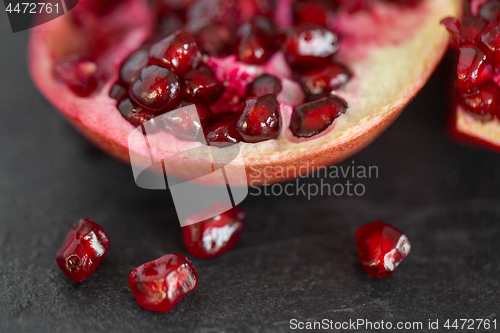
{"x": 314, "y": 117}
{"x": 491, "y": 40}
{"x": 471, "y": 28}
{"x": 257, "y": 41}
{"x": 156, "y": 88}
{"x": 210, "y": 238}
{"x": 138, "y": 116}
{"x": 261, "y": 119}
{"x": 309, "y": 46}
{"x": 264, "y": 85}
{"x": 200, "y": 85}
{"x": 320, "y": 81}
{"x": 118, "y": 92}
{"x": 216, "y": 40}
{"x": 312, "y": 11}
{"x": 490, "y": 11}
{"x": 187, "y": 121}
{"x": 225, "y": 12}
{"x": 178, "y": 51}
{"x": 79, "y": 74}
{"x": 473, "y": 69}
{"x": 381, "y": 248}
{"x": 482, "y": 104}
{"x": 223, "y": 133}
{"x": 83, "y": 250}
{"x": 131, "y": 68}
{"x": 453, "y": 26}
{"x": 160, "y": 284}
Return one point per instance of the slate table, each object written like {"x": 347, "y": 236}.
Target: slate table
{"x": 297, "y": 258}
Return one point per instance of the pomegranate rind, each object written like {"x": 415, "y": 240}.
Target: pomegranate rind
{"x": 386, "y": 77}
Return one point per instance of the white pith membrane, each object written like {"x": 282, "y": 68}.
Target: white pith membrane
{"x": 391, "y": 50}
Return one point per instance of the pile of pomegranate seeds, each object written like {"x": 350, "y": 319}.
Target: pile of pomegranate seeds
{"x": 160, "y": 284}
{"x": 381, "y": 248}
{"x": 83, "y": 250}
{"x": 477, "y": 40}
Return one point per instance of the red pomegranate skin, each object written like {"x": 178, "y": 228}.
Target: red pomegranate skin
{"x": 381, "y": 248}
{"x": 209, "y": 238}
{"x": 83, "y": 250}
{"x": 160, "y": 284}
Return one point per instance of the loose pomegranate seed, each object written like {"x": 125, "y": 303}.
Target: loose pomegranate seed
{"x": 309, "y": 46}
{"x": 212, "y": 237}
{"x": 178, "y": 51}
{"x": 83, "y": 250}
{"x": 312, "y": 11}
{"x": 216, "y": 40}
{"x": 131, "y": 68}
{"x": 156, "y": 88}
{"x": 320, "y": 81}
{"x": 79, "y": 74}
{"x": 491, "y": 41}
{"x": 118, "y": 92}
{"x": 223, "y": 133}
{"x": 381, "y": 248}
{"x": 314, "y": 117}
{"x": 261, "y": 119}
{"x": 256, "y": 41}
{"x": 201, "y": 86}
{"x": 264, "y": 85}
{"x": 473, "y": 69}
{"x": 483, "y": 103}
{"x": 490, "y": 11}
{"x": 186, "y": 122}
{"x": 160, "y": 284}
{"x": 138, "y": 116}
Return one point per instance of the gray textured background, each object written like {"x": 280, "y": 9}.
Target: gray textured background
{"x": 297, "y": 258}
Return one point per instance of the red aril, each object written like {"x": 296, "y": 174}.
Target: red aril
{"x": 482, "y": 104}
{"x": 473, "y": 69}
{"x": 313, "y": 11}
{"x": 131, "y": 68}
{"x": 320, "y": 81}
{"x": 264, "y": 85}
{"x": 201, "y": 86}
{"x": 256, "y": 41}
{"x": 137, "y": 115}
{"x": 261, "y": 119}
{"x": 79, "y": 74}
{"x": 222, "y": 132}
{"x": 186, "y": 122}
{"x": 216, "y": 39}
{"x": 118, "y": 92}
{"x": 491, "y": 41}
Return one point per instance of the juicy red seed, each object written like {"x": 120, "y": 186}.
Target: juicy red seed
{"x": 320, "y": 81}
{"x": 473, "y": 68}
{"x": 483, "y": 103}
{"x": 156, "y": 88}
{"x": 453, "y": 26}
{"x": 491, "y": 41}
{"x": 471, "y": 28}
{"x": 131, "y": 68}
{"x": 210, "y": 238}
{"x": 83, "y": 250}
{"x": 314, "y": 117}
{"x": 381, "y": 248}
{"x": 264, "y": 85}
{"x": 261, "y": 119}
{"x": 225, "y": 12}
{"x": 118, "y": 92}
{"x": 216, "y": 40}
{"x": 79, "y": 74}
{"x": 186, "y": 122}
{"x": 201, "y": 86}
{"x": 312, "y": 11}
{"x": 178, "y": 51}
{"x": 256, "y": 41}
{"x": 160, "y": 284}
{"x": 309, "y": 46}
{"x": 223, "y": 133}
{"x": 138, "y": 116}
{"x": 490, "y": 11}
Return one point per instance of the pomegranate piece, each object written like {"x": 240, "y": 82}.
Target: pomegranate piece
{"x": 187, "y": 121}
{"x": 381, "y": 248}
{"x": 138, "y": 116}
{"x": 178, "y": 51}
{"x": 482, "y": 104}
{"x": 312, "y": 11}
{"x": 210, "y": 238}
{"x": 256, "y": 41}
{"x": 223, "y": 133}
{"x": 473, "y": 69}
{"x": 118, "y": 92}
{"x": 160, "y": 284}
{"x": 320, "y": 81}
{"x": 131, "y": 68}
{"x": 79, "y": 74}
{"x": 264, "y": 85}
{"x": 309, "y": 46}
{"x": 314, "y": 117}
{"x": 216, "y": 40}
{"x": 201, "y": 86}
{"x": 261, "y": 119}
{"x": 156, "y": 88}
{"x": 83, "y": 250}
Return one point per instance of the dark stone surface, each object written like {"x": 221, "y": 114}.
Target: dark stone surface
{"x": 297, "y": 258}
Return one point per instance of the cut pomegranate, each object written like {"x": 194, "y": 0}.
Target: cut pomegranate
{"x": 320, "y": 81}
{"x": 381, "y": 248}
{"x": 79, "y": 74}
{"x": 156, "y": 88}
{"x": 83, "y": 250}
{"x": 314, "y": 117}
{"x": 212, "y": 237}
{"x": 130, "y": 70}
{"x": 160, "y": 284}
{"x": 201, "y": 86}
{"x": 264, "y": 85}
{"x": 261, "y": 119}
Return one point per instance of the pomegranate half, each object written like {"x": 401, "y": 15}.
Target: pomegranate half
{"x": 390, "y": 50}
